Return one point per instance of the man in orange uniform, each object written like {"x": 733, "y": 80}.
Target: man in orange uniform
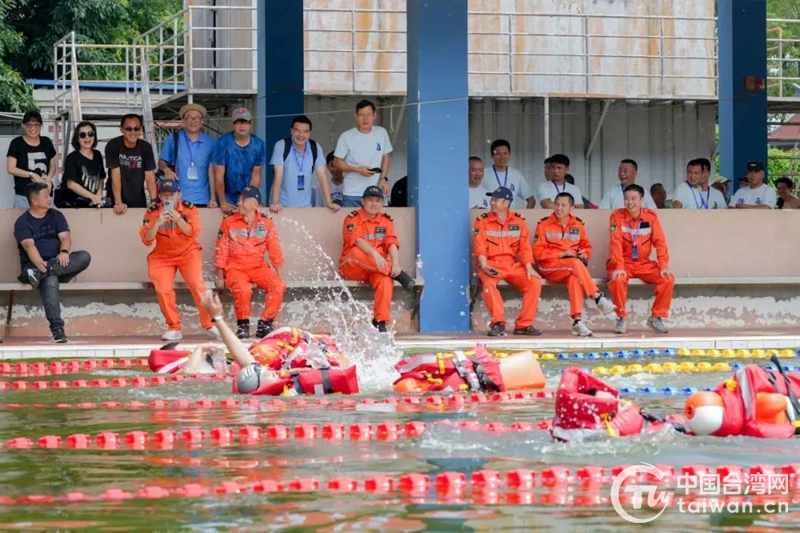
{"x": 502, "y": 247}
{"x": 634, "y": 232}
{"x": 370, "y": 253}
{"x": 244, "y": 239}
{"x": 563, "y": 251}
{"x": 175, "y": 227}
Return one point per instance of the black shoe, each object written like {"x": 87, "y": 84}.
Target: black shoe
{"x": 498, "y": 329}
{"x": 34, "y": 277}
{"x": 243, "y": 329}
{"x": 59, "y": 337}
{"x": 405, "y": 280}
{"x": 530, "y": 330}
{"x": 264, "y": 328}
{"x": 381, "y": 326}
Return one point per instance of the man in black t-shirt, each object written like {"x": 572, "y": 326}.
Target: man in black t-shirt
{"x": 45, "y": 244}
{"x": 131, "y": 167}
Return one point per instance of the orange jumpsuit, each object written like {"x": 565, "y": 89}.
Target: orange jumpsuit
{"x": 357, "y": 265}
{"x": 550, "y": 241}
{"x": 507, "y": 248}
{"x": 240, "y": 253}
{"x": 646, "y": 232}
{"x": 175, "y": 251}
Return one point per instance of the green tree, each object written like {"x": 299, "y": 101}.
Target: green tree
{"x": 15, "y": 95}
{"x": 783, "y": 46}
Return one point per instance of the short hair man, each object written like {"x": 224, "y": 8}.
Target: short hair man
{"x": 174, "y": 226}
{"x": 626, "y": 173}
{"x": 131, "y": 166}
{"x": 559, "y": 168}
{"x": 758, "y": 195}
{"x": 370, "y": 253}
{"x": 362, "y": 154}
{"x": 502, "y": 248}
{"x": 562, "y": 249}
{"x": 244, "y": 239}
{"x": 294, "y": 160}
{"x": 477, "y": 193}
{"x": 786, "y": 200}
{"x": 45, "y": 252}
{"x": 659, "y": 195}
{"x": 695, "y": 192}
{"x": 239, "y": 158}
{"x": 635, "y": 230}
{"x": 337, "y": 179}
{"x": 503, "y": 175}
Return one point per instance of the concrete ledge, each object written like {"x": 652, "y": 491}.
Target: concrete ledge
{"x": 689, "y": 281}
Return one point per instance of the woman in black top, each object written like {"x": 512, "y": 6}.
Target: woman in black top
{"x": 30, "y": 158}
{"x": 84, "y": 172}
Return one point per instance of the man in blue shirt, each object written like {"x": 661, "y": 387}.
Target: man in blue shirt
{"x": 193, "y": 167}
{"x": 293, "y": 167}
{"x": 239, "y": 158}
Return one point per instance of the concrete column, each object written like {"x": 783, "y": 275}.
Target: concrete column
{"x": 438, "y": 153}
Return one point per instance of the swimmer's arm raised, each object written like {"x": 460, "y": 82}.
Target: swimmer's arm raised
{"x": 211, "y": 303}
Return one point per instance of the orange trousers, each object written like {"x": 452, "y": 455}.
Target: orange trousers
{"x": 515, "y": 274}
{"x": 577, "y": 278}
{"x": 241, "y": 281}
{"x": 162, "y": 273}
{"x": 356, "y": 265}
{"x": 649, "y": 272}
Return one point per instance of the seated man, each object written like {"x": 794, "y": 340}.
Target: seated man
{"x": 370, "y": 253}
{"x": 243, "y": 241}
{"x": 757, "y": 195}
{"x": 45, "y": 244}
{"x": 635, "y": 230}
{"x": 502, "y": 247}
{"x": 563, "y": 250}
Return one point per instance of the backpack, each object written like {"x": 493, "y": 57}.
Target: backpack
{"x": 287, "y": 147}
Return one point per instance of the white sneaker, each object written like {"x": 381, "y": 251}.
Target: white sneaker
{"x": 214, "y": 332}
{"x": 580, "y": 329}
{"x": 172, "y": 335}
{"x": 605, "y": 305}
{"x": 620, "y": 326}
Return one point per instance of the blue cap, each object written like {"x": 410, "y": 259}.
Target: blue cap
{"x": 251, "y": 192}
{"x": 373, "y": 190}
{"x": 502, "y": 192}
{"x": 169, "y": 186}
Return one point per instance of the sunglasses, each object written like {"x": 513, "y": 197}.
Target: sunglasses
{"x": 135, "y": 128}
{"x": 85, "y": 134}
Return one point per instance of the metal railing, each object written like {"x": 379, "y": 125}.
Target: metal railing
{"x": 783, "y": 57}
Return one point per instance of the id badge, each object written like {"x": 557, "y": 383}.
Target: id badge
{"x": 191, "y": 173}
{"x": 301, "y": 182}
{"x": 635, "y": 253}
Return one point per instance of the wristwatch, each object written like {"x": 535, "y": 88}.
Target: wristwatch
{"x": 216, "y": 319}
{"x": 385, "y": 178}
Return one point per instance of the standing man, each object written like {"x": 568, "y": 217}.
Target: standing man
{"x": 503, "y": 175}
{"x": 722, "y": 184}
{"x": 337, "y": 179}
{"x": 45, "y": 252}
{"x": 191, "y": 167}
{"x": 627, "y": 173}
{"x": 563, "y": 250}
{"x": 695, "y": 193}
{"x": 243, "y": 240}
{"x": 502, "y": 247}
{"x": 294, "y": 160}
{"x": 758, "y": 195}
{"x": 238, "y": 159}
{"x": 477, "y": 194}
{"x": 559, "y": 168}
{"x": 370, "y": 253}
{"x": 131, "y": 166}
{"x": 174, "y": 225}
{"x": 635, "y": 230}
{"x": 362, "y": 154}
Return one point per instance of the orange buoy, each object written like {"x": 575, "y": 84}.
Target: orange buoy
{"x": 521, "y": 371}
{"x": 704, "y": 412}
{"x": 771, "y": 408}
{"x": 412, "y": 386}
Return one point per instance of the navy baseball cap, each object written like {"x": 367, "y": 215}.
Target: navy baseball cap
{"x": 373, "y": 190}
{"x": 755, "y": 165}
{"x": 502, "y": 192}
{"x": 169, "y": 186}
{"x": 251, "y": 192}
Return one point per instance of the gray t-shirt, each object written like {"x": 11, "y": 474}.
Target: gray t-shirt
{"x": 357, "y": 149}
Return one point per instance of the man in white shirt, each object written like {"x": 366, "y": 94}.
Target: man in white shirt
{"x": 503, "y": 175}
{"x": 695, "y": 193}
{"x": 362, "y": 154}
{"x": 477, "y": 193}
{"x": 758, "y": 195}
{"x": 615, "y": 196}
{"x": 559, "y": 167}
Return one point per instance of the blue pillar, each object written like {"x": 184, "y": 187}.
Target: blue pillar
{"x": 742, "y": 31}
{"x": 438, "y": 154}
{"x": 280, "y": 73}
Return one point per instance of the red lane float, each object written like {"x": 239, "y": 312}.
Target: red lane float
{"x": 56, "y": 368}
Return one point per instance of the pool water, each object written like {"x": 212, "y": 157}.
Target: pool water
{"x": 268, "y": 483}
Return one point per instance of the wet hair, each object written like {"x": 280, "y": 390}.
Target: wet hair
{"x": 476, "y": 159}
{"x": 499, "y": 143}
{"x": 630, "y": 162}
{"x": 32, "y": 115}
{"x": 365, "y": 103}
{"x": 559, "y": 159}
{"x": 634, "y": 187}
{"x": 130, "y": 116}
{"x": 566, "y": 195}
{"x": 329, "y": 158}
{"x": 33, "y": 189}
{"x": 75, "y": 142}
{"x": 302, "y": 119}
{"x": 655, "y": 186}
{"x": 786, "y": 181}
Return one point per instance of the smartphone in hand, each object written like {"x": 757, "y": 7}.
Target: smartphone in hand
{"x": 169, "y": 205}
{"x": 376, "y": 170}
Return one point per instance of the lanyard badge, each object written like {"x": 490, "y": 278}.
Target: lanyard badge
{"x": 505, "y": 181}
{"x": 192, "y": 174}
{"x": 299, "y": 159}
{"x": 634, "y": 240}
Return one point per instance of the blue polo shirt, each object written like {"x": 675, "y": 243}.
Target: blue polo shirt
{"x": 239, "y": 162}
{"x": 197, "y": 152}
{"x": 295, "y": 192}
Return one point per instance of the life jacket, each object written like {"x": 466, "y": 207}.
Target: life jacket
{"x": 474, "y": 370}
{"x": 309, "y": 381}
{"x": 284, "y": 347}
